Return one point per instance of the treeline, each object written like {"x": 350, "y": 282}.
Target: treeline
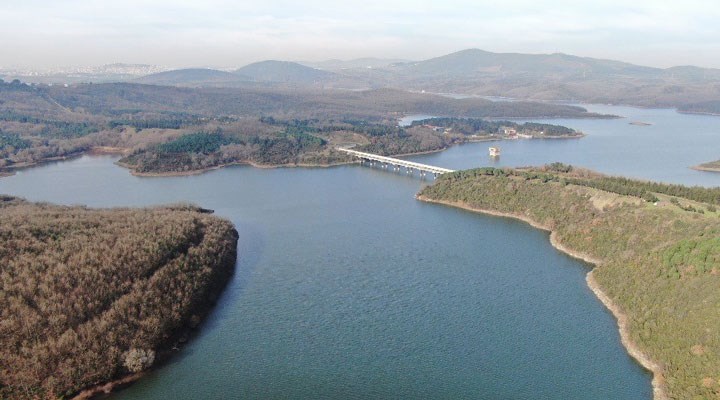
{"x": 12, "y": 140}
{"x": 404, "y": 143}
{"x": 659, "y": 264}
{"x": 90, "y": 295}
{"x": 473, "y": 126}
{"x": 53, "y": 128}
{"x": 169, "y": 123}
{"x": 296, "y": 102}
{"x": 705, "y": 107}
{"x": 363, "y": 126}
{"x": 374, "y": 129}
{"x": 200, "y": 142}
{"x": 169, "y": 120}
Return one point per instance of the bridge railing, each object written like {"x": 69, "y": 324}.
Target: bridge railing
{"x": 397, "y": 162}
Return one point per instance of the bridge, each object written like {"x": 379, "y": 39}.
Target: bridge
{"x": 396, "y": 163}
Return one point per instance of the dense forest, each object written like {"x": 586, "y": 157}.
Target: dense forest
{"x": 477, "y": 126}
{"x": 259, "y": 124}
{"x": 90, "y": 295}
{"x": 657, "y": 246}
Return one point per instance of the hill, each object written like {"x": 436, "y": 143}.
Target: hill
{"x": 285, "y": 72}
{"x": 559, "y": 77}
{"x": 367, "y": 62}
{"x": 655, "y": 247}
{"x": 88, "y": 296}
{"x": 192, "y": 77}
{"x": 473, "y": 63}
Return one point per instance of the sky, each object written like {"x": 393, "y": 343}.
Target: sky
{"x": 226, "y": 33}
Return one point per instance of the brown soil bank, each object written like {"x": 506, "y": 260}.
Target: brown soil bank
{"x": 93, "y": 296}
{"x": 657, "y": 262}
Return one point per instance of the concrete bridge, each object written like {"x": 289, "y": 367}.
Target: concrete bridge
{"x": 396, "y": 163}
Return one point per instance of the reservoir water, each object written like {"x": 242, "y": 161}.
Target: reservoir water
{"x": 347, "y": 287}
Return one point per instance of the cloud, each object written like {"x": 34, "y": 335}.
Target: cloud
{"x": 231, "y": 33}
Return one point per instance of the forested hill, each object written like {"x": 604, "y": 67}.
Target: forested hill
{"x": 286, "y": 72}
{"x": 123, "y": 98}
{"x": 87, "y": 295}
{"x": 192, "y": 77}
{"x": 658, "y": 252}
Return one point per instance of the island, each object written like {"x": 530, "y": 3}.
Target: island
{"x": 484, "y": 129}
{"x": 713, "y": 166}
{"x": 93, "y": 297}
{"x": 655, "y": 250}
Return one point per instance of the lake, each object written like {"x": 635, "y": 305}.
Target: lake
{"x": 347, "y": 287}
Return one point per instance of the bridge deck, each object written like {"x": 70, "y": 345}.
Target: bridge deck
{"x": 397, "y": 162}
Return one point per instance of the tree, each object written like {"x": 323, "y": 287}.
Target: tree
{"x": 137, "y": 360}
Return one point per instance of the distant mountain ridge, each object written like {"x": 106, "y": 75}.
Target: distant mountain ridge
{"x": 561, "y": 77}
{"x": 191, "y": 77}
{"x": 284, "y": 72}
{"x": 548, "y": 77}
{"x": 472, "y": 62}
{"x": 366, "y": 62}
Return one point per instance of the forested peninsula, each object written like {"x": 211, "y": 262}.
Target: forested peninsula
{"x": 713, "y": 166}
{"x": 90, "y": 296}
{"x": 656, "y": 250}
{"x": 171, "y": 130}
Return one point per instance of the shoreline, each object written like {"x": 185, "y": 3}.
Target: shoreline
{"x": 305, "y": 165}
{"x": 256, "y": 165}
{"x": 712, "y": 114}
{"x": 705, "y": 169}
{"x": 109, "y": 150}
{"x": 107, "y": 387}
{"x": 216, "y": 167}
{"x": 10, "y": 171}
{"x": 620, "y": 317}
{"x": 97, "y": 150}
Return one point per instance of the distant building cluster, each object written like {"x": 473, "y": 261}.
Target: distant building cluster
{"x": 108, "y": 69}
{"x": 512, "y": 133}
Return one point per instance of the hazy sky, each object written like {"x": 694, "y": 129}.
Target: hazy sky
{"x": 49, "y": 33}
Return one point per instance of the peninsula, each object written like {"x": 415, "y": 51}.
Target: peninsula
{"x": 656, "y": 250}
{"x": 91, "y": 296}
{"x": 713, "y": 166}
